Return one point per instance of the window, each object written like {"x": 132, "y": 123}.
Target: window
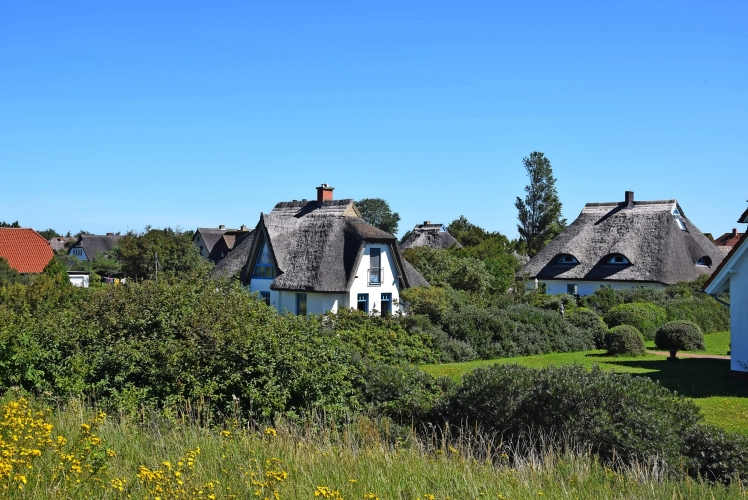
{"x": 571, "y": 289}
{"x": 375, "y": 270}
{"x": 618, "y": 260}
{"x": 362, "y": 302}
{"x": 681, "y": 225}
{"x": 265, "y": 297}
{"x": 704, "y": 262}
{"x": 386, "y": 304}
{"x": 566, "y": 259}
{"x": 264, "y": 267}
{"x": 300, "y": 304}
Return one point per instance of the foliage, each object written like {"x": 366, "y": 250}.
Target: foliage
{"x": 176, "y": 253}
{"x": 377, "y": 212}
{"x": 710, "y": 315}
{"x": 48, "y": 234}
{"x": 57, "y": 271}
{"x": 716, "y": 455}
{"x": 9, "y": 224}
{"x": 626, "y": 340}
{"x": 606, "y": 298}
{"x": 680, "y": 336}
{"x": 398, "y": 390}
{"x": 442, "y": 268}
{"x": 631, "y": 418}
{"x": 586, "y": 319}
{"x": 645, "y": 317}
{"x": 540, "y": 212}
{"x": 8, "y": 275}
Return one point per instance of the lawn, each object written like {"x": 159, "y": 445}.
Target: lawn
{"x": 723, "y": 399}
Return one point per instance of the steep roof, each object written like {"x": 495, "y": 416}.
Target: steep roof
{"x": 647, "y": 233}
{"x": 235, "y": 260}
{"x": 719, "y": 281}
{"x": 210, "y": 236}
{"x": 317, "y": 246}
{"x": 94, "y": 244}
{"x": 25, "y": 250}
{"x": 429, "y": 235}
{"x": 744, "y": 218}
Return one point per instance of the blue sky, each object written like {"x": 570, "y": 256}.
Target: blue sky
{"x": 194, "y": 114}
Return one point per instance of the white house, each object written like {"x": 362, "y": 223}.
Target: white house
{"x": 732, "y": 276}
{"x": 623, "y": 245}
{"x": 317, "y": 256}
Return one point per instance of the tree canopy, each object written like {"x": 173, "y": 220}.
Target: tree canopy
{"x": 377, "y": 212}
{"x": 176, "y": 253}
{"x": 540, "y": 212}
{"x": 9, "y": 224}
{"x": 8, "y": 275}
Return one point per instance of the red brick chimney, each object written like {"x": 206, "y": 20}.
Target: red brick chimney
{"x": 324, "y": 193}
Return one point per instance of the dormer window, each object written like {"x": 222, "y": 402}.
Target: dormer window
{"x": 704, "y": 262}
{"x": 566, "y": 259}
{"x": 679, "y": 220}
{"x": 618, "y": 260}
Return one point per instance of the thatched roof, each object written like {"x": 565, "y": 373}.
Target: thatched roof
{"x": 236, "y": 259}
{"x": 429, "y": 235}
{"x": 744, "y": 218}
{"x": 210, "y": 236}
{"x": 317, "y": 246}
{"x": 94, "y": 244}
{"x": 646, "y": 233}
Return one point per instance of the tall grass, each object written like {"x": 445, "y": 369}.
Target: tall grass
{"x": 323, "y": 457}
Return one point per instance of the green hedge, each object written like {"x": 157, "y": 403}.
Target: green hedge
{"x": 586, "y": 319}
{"x": 706, "y": 312}
{"x": 643, "y": 316}
{"x": 625, "y": 339}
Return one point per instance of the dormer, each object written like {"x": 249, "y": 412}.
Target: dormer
{"x": 704, "y": 261}
{"x": 616, "y": 259}
{"x": 678, "y": 216}
{"x": 566, "y": 259}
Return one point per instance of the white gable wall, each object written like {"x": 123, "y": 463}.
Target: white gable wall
{"x": 554, "y": 287}
{"x": 739, "y": 314}
{"x": 389, "y": 282}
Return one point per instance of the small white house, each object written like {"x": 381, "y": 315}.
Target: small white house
{"x": 79, "y": 278}
{"x": 732, "y": 276}
{"x": 310, "y": 257}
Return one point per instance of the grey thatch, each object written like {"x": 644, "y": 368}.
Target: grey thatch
{"x": 647, "y": 233}
{"x": 744, "y": 218}
{"x": 236, "y": 259}
{"x": 429, "y": 235}
{"x": 210, "y": 236}
{"x": 317, "y": 246}
{"x": 93, "y": 244}
{"x": 226, "y": 243}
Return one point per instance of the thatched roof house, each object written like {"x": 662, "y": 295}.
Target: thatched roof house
{"x": 429, "y": 235}
{"x": 314, "y": 256}
{"x": 88, "y": 246}
{"x": 624, "y": 244}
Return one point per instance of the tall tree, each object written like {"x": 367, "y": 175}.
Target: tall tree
{"x": 540, "y": 212}
{"x": 176, "y": 253}
{"x": 377, "y": 212}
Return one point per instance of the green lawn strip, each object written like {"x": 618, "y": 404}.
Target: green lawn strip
{"x": 717, "y": 343}
{"x": 723, "y": 399}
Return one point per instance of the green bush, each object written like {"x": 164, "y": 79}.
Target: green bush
{"x": 625, "y": 339}
{"x": 631, "y": 418}
{"x": 710, "y": 315}
{"x": 586, "y": 319}
{"x": 643, "y": 316}
{"x": 605, "y": 298}
{"x": 716, "y": 455}
{"x": 401, "y": 391}
{"x": 680, "y": 336}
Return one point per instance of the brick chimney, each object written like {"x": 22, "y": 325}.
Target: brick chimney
{"x": 324, "y": 193}
{"x": 629, "y": 199}
{"x": 734, "y": 232}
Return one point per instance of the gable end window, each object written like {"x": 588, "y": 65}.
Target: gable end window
{"x": 566, "y": 259}
{"x": 264, "y": 267}
{"x": 618, "y": 259}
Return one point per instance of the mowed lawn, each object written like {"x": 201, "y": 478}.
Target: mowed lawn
{"x": 723, "y": 399}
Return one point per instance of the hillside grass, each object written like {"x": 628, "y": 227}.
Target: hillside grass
{"x": 358, "y": 459}
{"x": 708, "y": 381}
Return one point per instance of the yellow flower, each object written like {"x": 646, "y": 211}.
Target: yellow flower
{"x": 269, "y": 431}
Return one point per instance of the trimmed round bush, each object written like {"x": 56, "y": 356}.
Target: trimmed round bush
{"x": 643, "y": 316}
{"x": 680, "y": 336}
{"x": 586, "y": 319}
{"x": 625, "y": 339}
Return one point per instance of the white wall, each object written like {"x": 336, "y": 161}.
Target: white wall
{"x": 79, "y": 280}
{"x": 390, "y": 283}
{"x": 739, "y": 315}
{"x": 555, "y": 287}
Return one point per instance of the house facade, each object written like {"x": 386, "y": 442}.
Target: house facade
{"x": 310, "y": 257}
{"x": 732, "y": 276}
{"x": 623, "y": 245}
{"x": 88, "y": 246}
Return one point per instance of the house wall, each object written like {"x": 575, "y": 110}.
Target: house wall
{"x": 739, "y": 315}
{"x": 390, "y": 283}
{"x": 316, "y": 303}
{"x": 200, "y": 244}
{"x": 79, "y": 280}
{"x": 554, "y": 287}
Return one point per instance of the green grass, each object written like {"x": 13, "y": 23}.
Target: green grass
{"x": 723, "y": 399}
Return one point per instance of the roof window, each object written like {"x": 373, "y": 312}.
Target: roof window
{"x": 679, "y": 219}
{"x": 566, "y": 259}
{"x": 705, "y": 261}
{"x": 618, "y": 259}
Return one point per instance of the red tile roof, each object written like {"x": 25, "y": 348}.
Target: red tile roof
{"x": 25, "y": 250}
{"x": 728, "y": 239}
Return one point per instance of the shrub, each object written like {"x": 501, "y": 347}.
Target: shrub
{"x": 643, "y": 316}
{"x": 703, "y": 310}
{"x": 715, "y": 454}
{"x": 586, "y": 319}
{"x": 679, "y": 336}
{"x": 397, "y": 390}
{"x": 625, "y": 339}
{"x": 605, "y": 298}
{"x": 631, "y": 417}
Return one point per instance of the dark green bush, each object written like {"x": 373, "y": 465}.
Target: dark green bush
{"x": 680, "y": 336}
{"x": 645, "y": 317}
{"x": 586, "y": 319}
{"x": 710, "y": 315}
{"x": 625, "y": 339}
{"x": 631, "y": 417}
{"x": 716, "y": 455}
{"x": 605, "y": 298}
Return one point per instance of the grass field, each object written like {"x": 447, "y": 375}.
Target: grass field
{"x": 723, "y": 399}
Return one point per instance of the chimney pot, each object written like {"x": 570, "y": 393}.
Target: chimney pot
{"x": 222, "y": 226}
{"x": 244, "y": 228}
{"x": 734, "y": 232}
{"x": 426, "y": 222}
{"x": 324, "y": 193}
{"x": 629, "y": 198}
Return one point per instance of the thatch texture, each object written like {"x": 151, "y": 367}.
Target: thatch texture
{"x": 645, "y": 232}
{"x": 236, "y": 259}
{"x": 210, "y": 236}
{"x": 429, "y": 235}
{"x": 94, "y": 244}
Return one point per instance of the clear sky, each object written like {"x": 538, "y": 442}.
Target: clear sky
{"x": 114, "y": 115}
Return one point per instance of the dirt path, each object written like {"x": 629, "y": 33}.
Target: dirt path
{"x": 689, "y": 355}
